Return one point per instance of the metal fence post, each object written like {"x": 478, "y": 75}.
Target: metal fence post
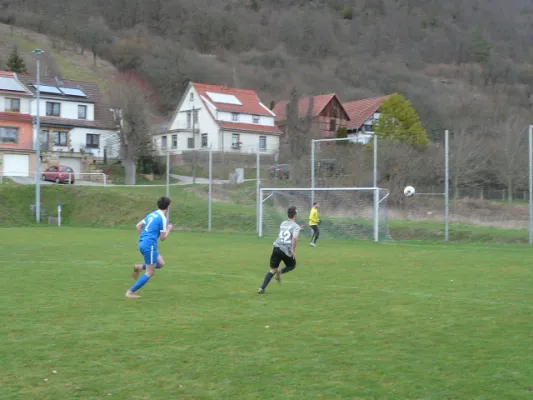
{"x": 312, "y": 172}
{"x": 530, "y": 184}
{"x": 210, "y": 217}
{"x": 446, "y": 185}
{"x": 376, "y": 191}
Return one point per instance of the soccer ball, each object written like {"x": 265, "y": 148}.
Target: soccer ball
{"x": 409, "y": 191}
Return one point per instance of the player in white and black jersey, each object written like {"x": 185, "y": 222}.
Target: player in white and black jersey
{"x": 284, "y": 248}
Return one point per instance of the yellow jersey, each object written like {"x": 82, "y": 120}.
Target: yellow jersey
{"x": 313, "y": 217}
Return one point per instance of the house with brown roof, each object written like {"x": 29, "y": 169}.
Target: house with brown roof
{"x": 225, "y": 119}
{"x": 328, "y": 112}
{"x": 17, "y": 154}
{"x": 363, "y": 115}
{"x": 76, "y": 123}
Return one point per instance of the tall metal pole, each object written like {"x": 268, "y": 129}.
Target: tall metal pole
{"x": 210, "y": 217}
{"x": 312, "y": 172}
{"x": 530, "y": 184}
{"x": 376, "y": 191}
{"x": 194, "y": 148}
{"x": 258, "y": 185}
{"x": 446, "y": 185}
{"x": 38, "y": 54}
{"x": 168, "y": 170}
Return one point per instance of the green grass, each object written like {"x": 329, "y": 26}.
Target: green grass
{"x": 353, "y": 321}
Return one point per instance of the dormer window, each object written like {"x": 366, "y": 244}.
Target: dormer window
{"x": 256, "y": 119}
{"x": 12, "y": 105}
{"x": 235, "y": 117}
{"x": 82, "y": 112}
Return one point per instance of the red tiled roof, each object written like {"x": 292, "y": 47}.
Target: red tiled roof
{"x": 254, "y": 128}
{"x": 320, "y": 102}
{"x": 361, "y": 111}
{"x": 251, "y": 104}
{"x": 103, "y": 118}
{"x": 8, "y": 116}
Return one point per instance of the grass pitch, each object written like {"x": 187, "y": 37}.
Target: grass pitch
{"x": 353, "y": 321}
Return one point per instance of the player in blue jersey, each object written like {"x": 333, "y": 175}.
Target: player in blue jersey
{"x": 153, "y": 228}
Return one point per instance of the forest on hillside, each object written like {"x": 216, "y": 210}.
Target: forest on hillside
{"x": 440, "y": 55}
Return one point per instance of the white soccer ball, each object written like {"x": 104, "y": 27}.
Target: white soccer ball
{"x": 409, "y": 191}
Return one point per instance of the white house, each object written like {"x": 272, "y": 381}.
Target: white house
{"x": 74, "y": 120}
{"x": 363, "y": 115}
{"x": 225, "y": 119}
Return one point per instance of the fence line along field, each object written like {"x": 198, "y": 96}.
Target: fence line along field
{"x": 355, "y": 320}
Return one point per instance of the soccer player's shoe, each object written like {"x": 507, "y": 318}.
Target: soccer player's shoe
{"x": 131, "y": 295}
{"x": 312, "y": 244}
{"x": 278, "y": 276}
{"x": 261, "y": 291}
{"x": 136, "y": 271}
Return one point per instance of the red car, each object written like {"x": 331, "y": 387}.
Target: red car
{"x": 59, "y": 174}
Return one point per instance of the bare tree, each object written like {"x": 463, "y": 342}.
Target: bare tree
{"x": 509, "y": 156}
{"x": 129, "y": 101}
{"x": 468, "y": 157}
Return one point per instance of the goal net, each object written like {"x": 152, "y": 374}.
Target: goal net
{"x": 345, "y": 213}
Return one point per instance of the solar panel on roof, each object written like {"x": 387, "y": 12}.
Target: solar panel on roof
{"x": 48, "y": 89}
{"x": 73, "y": 92}
{"x": 11, "y": 85}
{"x": 224, "y": 98}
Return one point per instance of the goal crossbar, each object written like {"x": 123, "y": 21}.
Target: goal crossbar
{"x": 375, "y": 190}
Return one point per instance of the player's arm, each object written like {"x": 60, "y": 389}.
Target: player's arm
{"x": 165, "y": 231}
{"x": 295, "y": 241}
{"x": 140, "y": 226}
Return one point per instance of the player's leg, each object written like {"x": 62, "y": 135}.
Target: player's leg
{"x": 290, "y": 264}
{"x": 151, "y": 256}
{"x": 314, "y": 228}
{"x": 137, "y": 268}
{"x": 275, "y": 260}
{"x": 317, "y": 234}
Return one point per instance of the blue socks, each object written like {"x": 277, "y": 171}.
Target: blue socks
{"x": 157, "y": 266}
{"x": 143, "y": 280}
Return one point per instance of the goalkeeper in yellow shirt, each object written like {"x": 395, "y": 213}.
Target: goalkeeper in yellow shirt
{"x": 314, "y": 221}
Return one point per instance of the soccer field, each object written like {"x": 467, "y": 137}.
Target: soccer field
{"x": 355, "y": 320}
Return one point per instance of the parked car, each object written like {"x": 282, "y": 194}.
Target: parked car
{"x": 280, "y": 171}
{"x": 58, "y": 174}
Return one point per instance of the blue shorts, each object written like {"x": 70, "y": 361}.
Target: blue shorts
{"x": 150, "y": 254}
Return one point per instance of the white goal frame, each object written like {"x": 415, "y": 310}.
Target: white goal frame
{"x": 377, "y": 201}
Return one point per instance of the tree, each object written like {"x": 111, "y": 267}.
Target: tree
{"x": 400, "y": 121}
{"x": 129, "y": 100}
{"x": 342, "y": 133}
{"x": 15, "y": 62}
{"x": 509, "y": 157}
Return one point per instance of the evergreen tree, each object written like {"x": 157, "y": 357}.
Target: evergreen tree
{"x": 400, "y": 121}
{"x": 16, "y": 63}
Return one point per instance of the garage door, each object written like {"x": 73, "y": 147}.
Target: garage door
{"x": 74, "y": 163}
{"x": 16, "y": 165}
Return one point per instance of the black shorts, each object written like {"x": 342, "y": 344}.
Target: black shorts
{"x": 278, "y": 256}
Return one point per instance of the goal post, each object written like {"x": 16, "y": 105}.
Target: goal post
{"x": 345, "y": 212}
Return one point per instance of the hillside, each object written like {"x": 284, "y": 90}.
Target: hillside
{"x": 458, "y": 60}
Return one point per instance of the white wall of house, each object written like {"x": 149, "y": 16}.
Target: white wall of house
{"x": 25, "y": 103}
{"x": 106, "y": 140}
{"x": 189, "y": 103}
{"x": 68, "y": 109}
{"x": 246, "y": 118}
{"x": 250, "y": 142}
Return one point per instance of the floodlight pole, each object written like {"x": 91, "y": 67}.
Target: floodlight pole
{"x": 38, "y": 54}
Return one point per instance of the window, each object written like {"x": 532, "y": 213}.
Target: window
{"x": 60, "y": 138}
{"x": 204, "y": 139}
{"x": 190, "y": 143}
{"x": 235, "y": 117}
{"x": 191, "y": 96}
{"x": 92, "y": 141}
{"x": 188, "y": 119}
{"x": 195, "y": 117}
{"x": 368, "y": 128}
{"x": 12, "y": 105}
{"x": 52, "y": 169}
{"x": 163, "y": 142}
{"x": 82, "y": 112}
{"x": 235, "y": 141}
{"x": 9, "y": 135}
{"x": 174, "y": 141}
{"x": 332, "y": 125}
{"x": 255, "y": 119}
{"x": 262, "y": 142}
{"x": 53, "y": 109}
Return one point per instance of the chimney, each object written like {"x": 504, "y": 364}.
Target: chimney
{"x": 59, "y": 80}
